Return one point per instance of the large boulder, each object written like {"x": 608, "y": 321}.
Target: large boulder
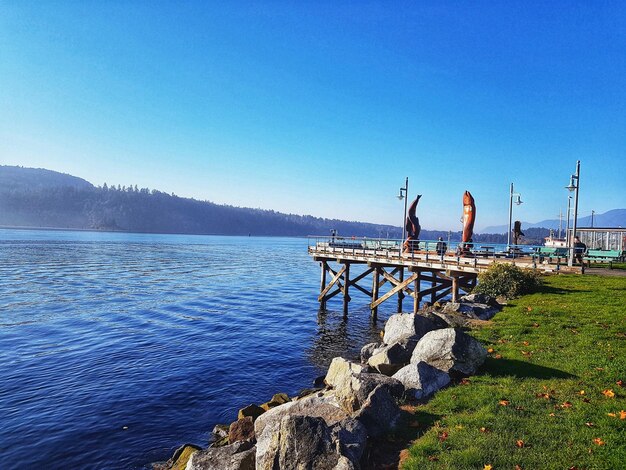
{"x": 476, "y": 311}
{"x": 304, "y": 442}
{"x": 450, "y": 350}
{"x": 379, "y": 413}
{"x": 391, "y": 358}
{"x": 403, "y": 325}
{"x": 237, "y": 456}
{"x": 350, "y": 437}
{"x": 421, "y": 379}
{"x": 352, "y": 385}
{"x": 454, "y": 320}
{"x": 268, "y": 424}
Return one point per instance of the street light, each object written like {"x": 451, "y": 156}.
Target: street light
{"x": 574, "y": 185}
{"x": 518, "y": 201}
{"x": 404, "y": 194}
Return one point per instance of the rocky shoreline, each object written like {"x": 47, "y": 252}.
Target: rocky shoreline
{"x": 331, "y": 426}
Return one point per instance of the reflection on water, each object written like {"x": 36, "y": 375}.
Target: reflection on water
{"x": 342, "y": 336}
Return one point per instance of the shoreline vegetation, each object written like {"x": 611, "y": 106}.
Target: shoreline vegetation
{"x": 550, "y": 393}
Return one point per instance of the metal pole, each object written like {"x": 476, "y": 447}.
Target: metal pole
{"x": 571, "y": 260}
{"x": 569, "y": 200}
{"x": 560, "y": 221}
{"x": 508, "y": 236}
{"x": 406, "y": 197}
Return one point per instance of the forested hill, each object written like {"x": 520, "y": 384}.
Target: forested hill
{"x": 43, "y": 198}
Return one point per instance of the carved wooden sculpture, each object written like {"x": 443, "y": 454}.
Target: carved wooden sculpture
{"x": 413, "y": 228}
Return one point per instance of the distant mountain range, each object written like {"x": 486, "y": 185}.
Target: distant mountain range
{"x": 612, "y": 218}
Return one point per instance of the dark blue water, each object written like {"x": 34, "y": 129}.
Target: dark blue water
{"x": 117, "y": 348}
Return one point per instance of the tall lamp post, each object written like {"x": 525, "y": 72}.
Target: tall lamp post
{"x": 569, "y": 203}
{"x": 518, "y": 201}
{"x": 404, "y": 194}
{"x": 574, "y": 185}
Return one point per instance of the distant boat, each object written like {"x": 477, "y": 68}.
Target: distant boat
{"x": 554, "y": 242}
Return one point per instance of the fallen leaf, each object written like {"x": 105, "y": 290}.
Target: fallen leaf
{"x": 504, "y": 402}
{"x": 498, "y": 356}
{"x": 404, "y": 455}
{"x": 465, "y": 381}
{"x": 608, "y": 393}
{"x": 536, "y": 325}
{"x": 566, "y": 404}
{"x": 582, "y": 392}
{"x": 525, "y": 343}
{"x": 502, "y": 341}
{"x": 599, "y": 368}
{"x": 433, "y": 458}
{"x": 443, "y": 436}
{"x": 622, "y": 414}
{"x": 487, "y": 467}
{"x": 529, "y": 309}
{"x": 590, "y": 425}
{"x": 551, "y": 414}
{"x": 490, "y": 350}
{"x": 517, "y": 467}
{"x": 547, "y": 396}
{"x": 484, "y": 430}
{"x": 620, "y": 383}
{"x": 612, "y": 415}
{"x": 526, "y": 353}
{"x": 598, "y": 441}
{"x": 519, "y": 443}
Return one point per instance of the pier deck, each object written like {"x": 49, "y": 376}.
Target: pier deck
{"x": 446, "y": 274}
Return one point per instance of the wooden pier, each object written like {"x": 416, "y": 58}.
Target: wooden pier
{"x": 422, "y": 275}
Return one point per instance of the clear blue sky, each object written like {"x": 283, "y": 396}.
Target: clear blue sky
{"x": 323, "y": 108}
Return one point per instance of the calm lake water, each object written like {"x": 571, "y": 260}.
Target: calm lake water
{"x": 117, "y": 348}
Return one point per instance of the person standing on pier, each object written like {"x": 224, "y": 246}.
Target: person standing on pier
{"x": 441, "y": 247}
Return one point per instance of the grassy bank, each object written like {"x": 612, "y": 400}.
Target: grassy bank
{"x": 550, "y": 394}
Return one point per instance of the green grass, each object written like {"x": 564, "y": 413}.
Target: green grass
{"x": 606, "y": 265}
{"x": 554, "y": 353}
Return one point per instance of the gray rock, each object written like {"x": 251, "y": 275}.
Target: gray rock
{"x": 368, "y": 351}
{"x": 379, "y": 413}
{"x": 403, "y": 325}
{"x": 340, "y": 369}
{"x": 350, "y": 437}
{"x": 421, "y": 379}
{"x": 237, "y": 456}
{"x": 454, "y": 320}
{"x": 450, "y": 350}
{"x": 267, "y": 425}
{"x": 304, "y": 442}
{"x": 352, "y": 385}
{"x": 476, "y": 298}
{"x": 220, "y": 431}
{"x": 476, "y": 311}
{"x": 389, "y": 359}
